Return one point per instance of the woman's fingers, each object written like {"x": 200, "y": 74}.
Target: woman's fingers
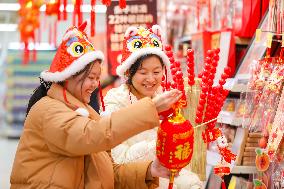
{"x": 164, "y": 101}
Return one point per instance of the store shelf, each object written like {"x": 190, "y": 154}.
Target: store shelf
{"x": 244, "y": 170}
{"x": 229, "y": 118}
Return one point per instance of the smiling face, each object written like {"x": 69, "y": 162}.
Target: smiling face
{"x": 147, "y": 78}
{"x": 82, "y": 85}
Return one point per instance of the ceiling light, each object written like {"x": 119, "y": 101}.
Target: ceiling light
{"x": 8, "y": 27}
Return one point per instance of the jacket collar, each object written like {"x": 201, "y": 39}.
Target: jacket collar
{"x": 56, "y": 91}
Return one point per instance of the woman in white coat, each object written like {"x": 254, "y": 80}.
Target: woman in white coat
{"x": 143, "y": 66}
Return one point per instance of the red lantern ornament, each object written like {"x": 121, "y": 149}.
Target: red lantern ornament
{"x": 174, "y": 147}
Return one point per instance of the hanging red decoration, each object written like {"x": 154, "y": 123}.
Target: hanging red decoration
{"x": 29, "y": 22}
{"x": 52, "y": 8}
{"x": 174, "y": 147}
{"x": 93, "y": 18}
{"x": 210, "y": 102}
{"x": 52, "y": 11}
{"x": 122, "y": 3}
{"x": 78, "y": 13}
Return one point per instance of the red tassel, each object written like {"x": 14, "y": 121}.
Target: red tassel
{"x": 93, "y": 23}
{"x": 170, "y": 185}
{"x": 101, "y": 97}
{"x": 171, "y": 179}
{"x": 223, "y": 185}
{"x": 122, "y": 4}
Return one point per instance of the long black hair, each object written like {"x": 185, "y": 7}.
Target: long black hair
{"x": 41, "y": 90}
{"x": 137, "y": 64}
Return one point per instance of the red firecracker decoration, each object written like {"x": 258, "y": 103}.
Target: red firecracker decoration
{"x": 174, "y": 147}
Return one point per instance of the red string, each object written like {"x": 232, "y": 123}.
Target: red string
{"x": 101, "y": 97}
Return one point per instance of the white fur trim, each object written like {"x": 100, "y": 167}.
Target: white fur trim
{"x": 121, "y": 69}
{"x": 75, "y": 67}
{"x": 83, "y": 112}
{"x": 70, "y": 33}
{"x": 131, "y": 31}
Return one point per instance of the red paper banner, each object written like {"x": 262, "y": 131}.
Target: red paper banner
{"x": 136, "y": 13}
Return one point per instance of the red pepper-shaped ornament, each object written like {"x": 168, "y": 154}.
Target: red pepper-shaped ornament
{"x": 174, "y": 147}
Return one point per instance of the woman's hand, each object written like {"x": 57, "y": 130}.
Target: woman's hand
{"x": 158, "y": 170}
{"x": 165, "y": 100}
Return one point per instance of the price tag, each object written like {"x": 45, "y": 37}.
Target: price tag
{"x": 269, "y": 40}
{"x": 257, "y": 35}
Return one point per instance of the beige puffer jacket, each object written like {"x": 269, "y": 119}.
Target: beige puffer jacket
{"x": 60, "y": 148}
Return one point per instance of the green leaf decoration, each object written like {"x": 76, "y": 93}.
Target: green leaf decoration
{"x": 258, "y": 151}
{"x": 257, "y": 182}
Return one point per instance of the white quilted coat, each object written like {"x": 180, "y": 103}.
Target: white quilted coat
{"x": 143, "y": 145}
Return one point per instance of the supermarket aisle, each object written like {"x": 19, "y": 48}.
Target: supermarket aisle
{"x": 7, "y": 153}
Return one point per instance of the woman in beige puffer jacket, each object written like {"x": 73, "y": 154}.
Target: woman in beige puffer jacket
{"x": 65, "y": 143}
